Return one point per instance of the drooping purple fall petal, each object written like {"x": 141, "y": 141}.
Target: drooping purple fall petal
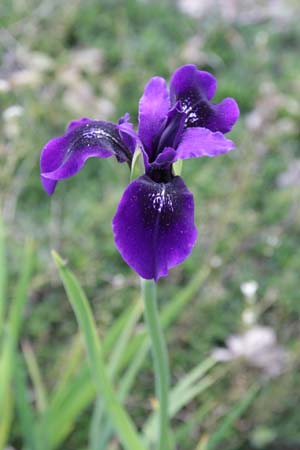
{"x": 194, "y": 89}
{"x": 153, "y": 109}
{"x": 128, "y": 135}
{"x": 154, "y": 226}
{"x": 216, "y": 117}
{"x": 64, "y": 156}
{"x": 198, "y": 142}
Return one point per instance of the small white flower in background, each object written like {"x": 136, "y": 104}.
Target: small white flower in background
{"x": 253, "y": 120}
{"x": 216, "y": 261}
{"x": 31, "y": 67}
{"x": 259, "y": 347}
{"x": 40, "y": 61}
{"x": 81, "y": 98}
{"x": 12, "y": 112}
{"x": 105, "y": 107}
{"x": 10, "y": 119}
{"x": 248, "y": 316}
{"x": 25, "y": 78}
{"x": 77, "y": 98}
{"x": 118, "y": 281}
{"x": 291, "y": 177}
{"x": 194, "y": 8}
{"x": 32, "y": 60}
{"x": 69, "y": 76}
{"x": 249, "y": 288}
{"x": 4, "y": 85}
{"x": 272, "y": 240}
{"x": 88, "y": 59}
{"x": 192, "y": 51}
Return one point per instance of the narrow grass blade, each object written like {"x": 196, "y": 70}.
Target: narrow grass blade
{"x": 70, "y": 398}
{"x": 74, "y": 362}
{"x": 24, "y": 409}
{"x": 126, "y": 384}
{"x": 60, "y": 417}
{"x": 68, "y": 367}
{"x": 17, "y": 306}
{"x": 185, "y": 397}
{"x": 174, "y": 307}
{"x": 6, "y": 415}
{"x": 224, "y": 429}
{"x": 122, "y": 422}
{"x": 120, "y": 346}
{"x": 64, "y": 409}
{"x": 75, "y": 389}
{"x": 8, "y": 355}
{"x": 184, "y": 431}
{"x": 114, "y": 331}
{"x": 180, "y": 398}
{"x": 35, "y": 374}
{"x": 3, "y": 276}
{"x": 197, "y": 372}
{"x": 139, "y": 347}
{"x": 114, "y": 362}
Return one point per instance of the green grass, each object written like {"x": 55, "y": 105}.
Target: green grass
{"x": 244, "y": 217}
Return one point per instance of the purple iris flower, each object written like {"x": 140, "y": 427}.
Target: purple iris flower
{"x": 154, "y": 226}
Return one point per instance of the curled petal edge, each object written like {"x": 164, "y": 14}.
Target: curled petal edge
{"x": 64, "y": 156}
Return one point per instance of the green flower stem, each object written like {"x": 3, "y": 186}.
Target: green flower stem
{"x": 160, "y": 359}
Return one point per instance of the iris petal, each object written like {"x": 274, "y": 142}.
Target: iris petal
{"x": 189, "y": 79}
{"x": 216, "y": 117}
{"x": 153, "y": 109}
{"x": 165, "y": 158}
{"x": 154, "y": 226}
{"x": 172, "y": 130}
{"x": 194, "y": 143}
{"x": 64, "y": 156}
{"x": 198, "y": 142}
{"x": 194, "y": 88}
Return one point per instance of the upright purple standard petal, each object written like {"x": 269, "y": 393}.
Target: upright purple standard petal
{"x": 154, "y": 226}
{"x": 153, "y": 109}
{"x": 64, "y": 156}
{"x": 188, "y": 79}
{"x": 172, "y": 130}
{"x": 194, "y": 88}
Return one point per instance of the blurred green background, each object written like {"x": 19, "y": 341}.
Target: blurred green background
{"x": 63, "y": 60}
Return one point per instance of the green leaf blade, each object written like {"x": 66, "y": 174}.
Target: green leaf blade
{"x": 122, "y": 423}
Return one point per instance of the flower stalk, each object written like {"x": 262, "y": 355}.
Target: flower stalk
{"x": 160, "y": 360}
